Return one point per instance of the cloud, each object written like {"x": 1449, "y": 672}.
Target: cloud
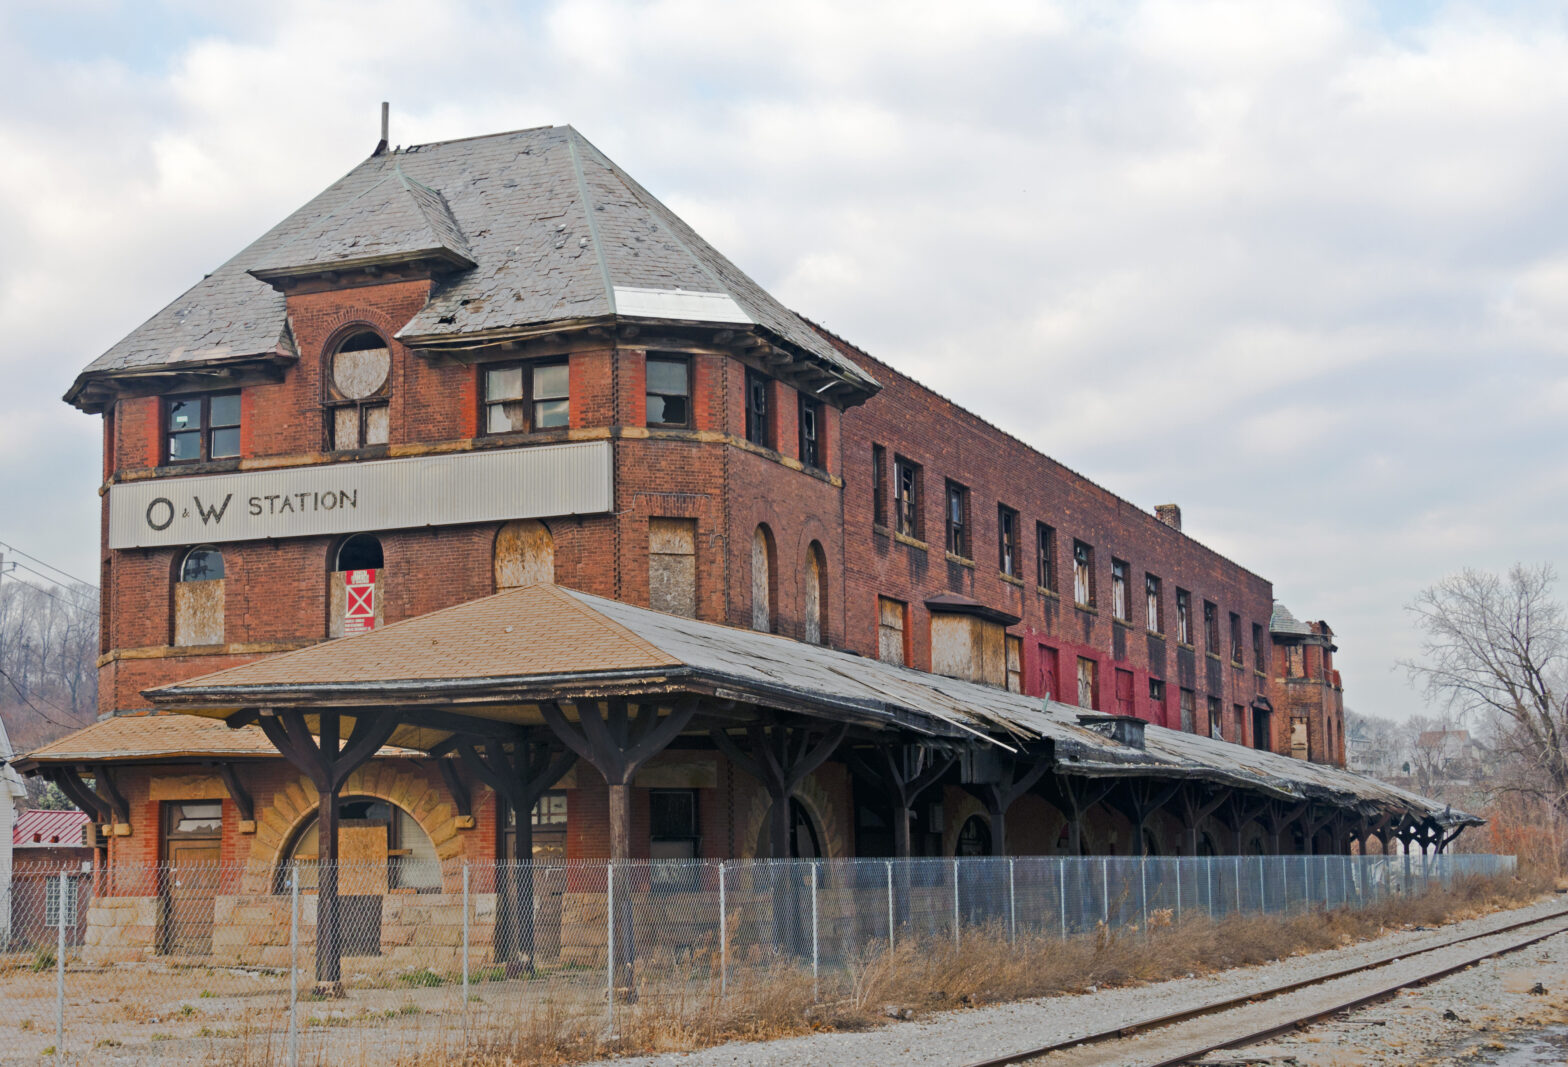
{"x": 1299, "y": 266}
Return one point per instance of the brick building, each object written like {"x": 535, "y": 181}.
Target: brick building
{"x": 499, "y": 368}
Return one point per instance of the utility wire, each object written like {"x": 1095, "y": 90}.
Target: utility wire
{"x": 36, "y": 589}
{"x": 46, "y": 716}
{"x": 43, "y": 563}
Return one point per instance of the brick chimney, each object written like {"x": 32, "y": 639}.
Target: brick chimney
{"x": 1169, "y": 514}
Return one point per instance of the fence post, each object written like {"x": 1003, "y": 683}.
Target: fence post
{"x": 294, "y": 964}
{"x": 1209, "y": 863}
{"x": 1143, "y": 891}
{"x": 1105, "y": 890}
{"x": 955, "y": 900}
{"x": 1306, "y": 882}
{"x": 816, "y": 990}
{"x": 1263, "y": 881}
{"x": 465, "y": 958}
{"x": 724, "y": 938}
{"x": 1238, "y": 884}
{"x": 890, "y": 905}
{"x": 1061, "y": 891}
{"x": 59, "y": 967}
{"x": 1178, "y": 890}
{"x": 1012, "y": 902}
{"x": 609, "y": 944}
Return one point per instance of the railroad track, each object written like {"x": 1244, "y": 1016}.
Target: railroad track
{"x": 1527, "y": 932}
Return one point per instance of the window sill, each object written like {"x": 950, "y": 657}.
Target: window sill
{"x": 953, "y": 557}
{"x": 1155, "y": 633}
{"x": 1043, "y": 591}
{"x": 878, "y": 528}
{"x": 1186, "y": 645}
{"x": 1215, "y": 656}
{"x": 1087, "y": 609}
{"x": 1124, "y": 623}
{"x": 905, "y": 539}
{"x": 1238, "y": 664}
{"x": 1009, "y": 579}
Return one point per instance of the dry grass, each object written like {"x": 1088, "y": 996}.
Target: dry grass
{"x": 924, "y": 976}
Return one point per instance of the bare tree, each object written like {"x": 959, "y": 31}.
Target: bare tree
{"x": 48, "y": 653}
{"x": 1495, "y": 648}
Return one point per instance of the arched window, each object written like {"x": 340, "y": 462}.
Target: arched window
{"x": 381, "y": 848}
{"x": 524, "y": 554}
{"x": 816, "y": 594}
{"x": 805, "y": 843}
{"x": 198, "y": 598}
{"x": 974, "y": 837}
{"x": 762, "y": 579}
{"x": 355, "y": 587}
{"x": 358, "y": 381}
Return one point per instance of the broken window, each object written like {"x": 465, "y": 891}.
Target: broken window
{"x": 1007, "y": 540}
{"x": 524, "y": 554}
{"x": 1088, "y": 683}
{"x": 1151, "y": 598}
{"x": 1235, "y": 639}
{"x": 1045, "y": 556}
{"x": 1295, "y": 661}
{"x": 810, "y": 432}
{"x": 1157, "y": 692}
{"x": 669, "y": 391}
{"x": 1121, "y": 603}
{"x": 198, "y": 598}
{"x": 758, "y": 429}
{"x": 672, "y": 566}
{"x": 957, "y": 519}
{"x": 906, "y": 497}
{"x": 527, "y": 396}
{"x": 1183, "y": 617}
{"x": 1189, "y": 710}
{"x": 358, "y": 381}
{"x": 202, "y": 427}
{"x": 1259, "y": 662}
{"x": 1083, "y": 574}
{"x": 1214, "y": 718}
{"x": 878, "y": 485}
{"x": 892, "y": 631}
{"x": 762, "y": 579}
{"x": 1239, "y": 727}
{"x": 672, "y": 824}
{"x": 1015, "y": 664}
{"x": 1211, "y": 628}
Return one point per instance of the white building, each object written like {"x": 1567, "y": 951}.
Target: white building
{"x": 11, "y": 794}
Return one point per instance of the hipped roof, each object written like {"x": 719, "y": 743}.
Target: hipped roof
{"x": 499, "y": 656}
{"x": 557, "y": 234}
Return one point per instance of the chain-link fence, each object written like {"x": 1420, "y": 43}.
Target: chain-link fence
{"x": 194, "y": 963}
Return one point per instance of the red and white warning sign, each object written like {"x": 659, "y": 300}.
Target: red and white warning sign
{"x": 359, "y": 609}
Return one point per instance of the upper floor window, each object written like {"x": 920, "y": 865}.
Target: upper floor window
{"x": 1183, "y": 617}
{"x": 1214, "y": 719}
{"x": 1211, "y": 628}
{"x": 199, "y": 598}
{"x": 1259, "y": 664}
{"x": 202, "y": 564}
{"x": 906, "y": 497}
{"x": 957, "y": 519}
{"x": 1045, "y": 556}
{"x": 1235, "y": 639}
{"x": 1151, "y": 608}
{"x": 879, "y": 485}
{"x": 358, "y": 383}
{"x": 527, "y": 396}
{"x": 669, "y": 391}
{"x": 759, "y": 430}
{"x": 1007, "y": 540}
{"x": 810, "y": 432}
{"x": 1121, "y": 601}
{"x": 892, "y": 631}
{"x": 202, "y": 427}
{"x": 1083, "y": 574}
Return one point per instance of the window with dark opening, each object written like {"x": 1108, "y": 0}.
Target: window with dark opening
{"x": 906, "y": 497}
{"x": 672, "y": 818}
{"x": 1083, "y": 574}
{"x": 527, "y": 396}
{"x": 1235, "y": 639}
{"x": 1211, "y": 628}
{"x": 879, "y": 485}
{"x": 1183, "y": 617}
{"x": 1121, "y": 600}
{"x": 1151, "y": 604}
{"x": 810, "y": 432}
{"x": 202, "y": 427}
{"x": 758, "y": 430}
{"x": 1045, "y": 556}
{"x": 1259, "y": 662}
{"x": 958, "y": 520}
{"x": 669, "y": 391}
{"x": 362, "y": 552}
{"x": 1007, "y": 540}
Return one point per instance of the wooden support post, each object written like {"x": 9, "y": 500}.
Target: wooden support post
{"x": 903, "y": 773}
{"x": 999, "y": 795}
{"x": 1073, "y": 797}
{"x": 327, "y": 764}
{"x": 618, "y": 740}
{"x": 1197, "y": 805}
{"x": 1137, "y": 800}
{"x": 238, "y": 793}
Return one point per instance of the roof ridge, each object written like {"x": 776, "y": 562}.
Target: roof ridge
{"x": 415, "y": 148}
{"x": 572, "y": 597}
{"x": 593, "y": 227}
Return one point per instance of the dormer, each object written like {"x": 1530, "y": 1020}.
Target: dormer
{"x": 969, "y": 639}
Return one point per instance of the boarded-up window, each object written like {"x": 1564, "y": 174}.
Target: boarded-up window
{"x": 1189, "y": 710}
{"x": 892, "y": 631}
{"x": 1295, "y": 661}
{"x": 1050, "y": 678}
{"x": 968, "y": 647}
{"x": 1298, "y": 737}
{"x": 356, "y": 586}
{"x": 1124, "y": 692}
{"x": 816, "y": 594}
{"x": 1015, "y": 664}
{"x": 1088, "y": 682}
{"x": 762, "y": 580}
{"x": 672, "y": 566}
{"x": 524, "y": 555}
{"x": 198, "y": 598}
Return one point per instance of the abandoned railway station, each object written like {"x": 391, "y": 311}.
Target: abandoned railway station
{"x": 481, "y": 510}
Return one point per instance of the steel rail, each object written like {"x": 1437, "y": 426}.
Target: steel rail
{"x": 1216, "y": 1006}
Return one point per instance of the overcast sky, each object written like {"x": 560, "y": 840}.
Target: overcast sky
{"x": 1301, "y": 268}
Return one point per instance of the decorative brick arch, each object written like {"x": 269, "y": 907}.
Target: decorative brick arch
{"x": 296, "y": 803}
{"x": 818, "y": 804}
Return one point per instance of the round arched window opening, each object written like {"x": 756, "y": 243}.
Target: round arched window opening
{"x": 202, "y": 564}
{"x": 362, "y": 552}
{"x": 974, "y": 837}
{"x": 804, "y": 841}
{"x": 358, "y": 375}
{"x": 360, "y": 366}
{"x": 381, "y": 848}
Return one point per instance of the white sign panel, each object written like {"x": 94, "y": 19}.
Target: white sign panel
{"x": 532, "y": 482}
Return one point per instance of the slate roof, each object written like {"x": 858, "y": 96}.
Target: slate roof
{"x": 1283, "y": 622}
{"x": 557, "y": 232}
{"x": 521, "y": 639}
